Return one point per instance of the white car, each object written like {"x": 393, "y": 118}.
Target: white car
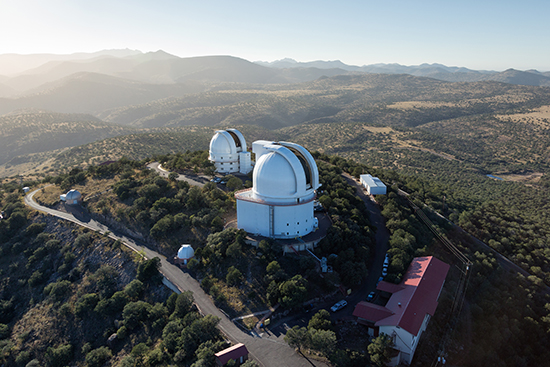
{"x": 339, "y": 305}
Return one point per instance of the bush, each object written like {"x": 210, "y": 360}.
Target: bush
{"x": 60, "y": 356}
{"x": 98, "y": 357}
{"x": 148, "y": 269}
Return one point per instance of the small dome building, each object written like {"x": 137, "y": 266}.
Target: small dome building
{"x": 228, "y": 152}
{"x": 280, "y": 202}
{"x": 73, "y": 197}
{"x": 185, "y": 253}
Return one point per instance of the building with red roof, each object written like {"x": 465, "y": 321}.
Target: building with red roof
{"x": 411, "y": 305}
{"x": 238, "y": 353}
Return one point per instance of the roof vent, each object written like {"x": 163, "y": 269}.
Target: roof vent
{"x": 399, "y": 304}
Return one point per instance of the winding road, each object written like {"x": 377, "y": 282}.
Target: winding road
{"x": 268, "y": 349}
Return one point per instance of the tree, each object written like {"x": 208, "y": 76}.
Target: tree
{"x": 183, "y": 304}
{"x": 234, "y": 183}
{"x": 98, "y": 357}
{"x": 60, "y": 356}
{"x": 173, "y": 176}
{"x": 320, "y": 321}
{"x": 234, "y": 276}
{"x": 293, "y": 291}
{"x": 297, "y": 337}
{"x": 380, "y": 350}
{"x": 322, "y": 340}
{"x": 148, "y": 269}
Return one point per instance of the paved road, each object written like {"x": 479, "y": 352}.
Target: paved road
{"x": 200, "y": 181}
{"x": 269, "y": 350}
{"x": 377, "y": 259}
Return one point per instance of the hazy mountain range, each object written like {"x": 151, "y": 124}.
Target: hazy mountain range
{"x": 51, "y": 102}
{"x": 436, "y": 71}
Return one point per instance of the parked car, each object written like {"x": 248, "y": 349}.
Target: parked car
{"x": 384, "y": 272}
{"x": 370, "y": 297}
{"x": 339, "y": 305}
{"x": 215, "y": 179}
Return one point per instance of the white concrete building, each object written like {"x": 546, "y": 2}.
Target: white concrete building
{"x": 373, "y": 185}
{"x": 411, "y": 305}
{"x": 73, "y": 197}
{"x": 280, "y": 202}
{"x": 228, "y": 152}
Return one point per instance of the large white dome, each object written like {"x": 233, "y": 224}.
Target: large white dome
{"x": 274, "y": 176}
{"x": 186, "y": 252}
{"x": 222, "y": 143}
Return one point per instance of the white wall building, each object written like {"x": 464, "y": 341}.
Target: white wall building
{"x": 228, "y": 152}
{"x": 280, "y": 202}
{"x": 373, "y": 185}
{"x": 411, "y": 305}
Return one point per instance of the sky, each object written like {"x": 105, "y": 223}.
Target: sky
{"x": 482, "y": 35}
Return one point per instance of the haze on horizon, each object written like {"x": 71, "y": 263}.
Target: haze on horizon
{"x": 487, "y": 35}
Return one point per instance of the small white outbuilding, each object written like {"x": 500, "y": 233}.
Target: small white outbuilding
{"x": 373, "y": 185}
{"x": 73, "y": 197}
{"x": 185, "y": 253}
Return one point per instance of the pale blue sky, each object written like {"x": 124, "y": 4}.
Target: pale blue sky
{"x": 494, "y": 35}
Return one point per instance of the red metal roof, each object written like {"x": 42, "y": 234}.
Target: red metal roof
{"x": 415, "y": 296}
{"x": 389, "y": 287}
{"x": 371, "y": 312}
{"x": 235, "y": 352}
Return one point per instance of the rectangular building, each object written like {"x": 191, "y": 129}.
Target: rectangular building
{"x": 373, "y": 185}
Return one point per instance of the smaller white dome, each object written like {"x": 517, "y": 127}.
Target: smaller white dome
{"x": 73, "y": 195}
{"x": 186, "y": 252}
{"x": 222, "y": 143}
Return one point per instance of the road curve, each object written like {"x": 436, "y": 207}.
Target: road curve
{"x": 268, "y": 350}
{"x": 156, "y": 166}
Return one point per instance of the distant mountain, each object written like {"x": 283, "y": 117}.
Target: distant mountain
{"x": 6, "y": 91}
{"x": 512, "y": 76}
{"x": 436, "y": 71}
{"x": 27, "y": 133}
{"x": 14, "y": 63}
{"x": 92, "y": 92}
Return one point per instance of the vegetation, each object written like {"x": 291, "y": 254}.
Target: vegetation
{"x": 70, "y": 296}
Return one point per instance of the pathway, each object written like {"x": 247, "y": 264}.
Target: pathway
{"x": 268, "y": 349}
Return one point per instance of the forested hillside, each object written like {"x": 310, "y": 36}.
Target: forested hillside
{"x": 35, "y": 132}
{"x": 73, "y": 297}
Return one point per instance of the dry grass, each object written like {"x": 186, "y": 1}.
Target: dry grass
{"x": 539, "y": 116}
{"x": 48, "y": 196}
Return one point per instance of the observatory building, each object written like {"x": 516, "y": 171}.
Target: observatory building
{"x": 73, "y": 197}
{"x": 280, "y": 202}
{"x": 229, "y": 153}
{"x": 185, "y": 253}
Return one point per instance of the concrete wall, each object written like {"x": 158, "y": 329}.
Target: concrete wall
{"x": 288, "y": 221}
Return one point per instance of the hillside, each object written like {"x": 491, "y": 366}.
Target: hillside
{"x": 91, "y": 92}
{"x": 70, "y": 296}
{"x": 27, "y": 133}
{"x": 393, "y": 100}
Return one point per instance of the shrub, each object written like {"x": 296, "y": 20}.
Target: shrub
{"x": 98, "y": 357}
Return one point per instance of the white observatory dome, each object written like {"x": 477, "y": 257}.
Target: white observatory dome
{"x": 186, "y": 252}
{"x": 274, "y": 176}
{"x": 73, "y": 195}
{"x": 222, "y": 143}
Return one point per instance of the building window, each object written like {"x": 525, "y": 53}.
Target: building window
{"x": 298, "y": 223}
{"x": 287, "y": 224}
